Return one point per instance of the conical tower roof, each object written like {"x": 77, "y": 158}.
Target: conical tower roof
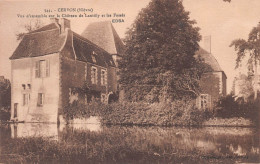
{"x": 104, "y": 35}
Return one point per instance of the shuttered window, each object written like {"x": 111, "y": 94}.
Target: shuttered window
{"x": 42, "y": 68}
{"x": 40, "y": 99}
{"x": 37, "y": 69}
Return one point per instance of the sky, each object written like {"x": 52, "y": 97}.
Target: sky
{"x": 222, "y": 21}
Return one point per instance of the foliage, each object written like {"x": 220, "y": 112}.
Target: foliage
{"x": 234, "y": 121}
{"x": 5, "y": 100}
{"x": 243, "y": 84}
{"x": 159, "y": 59}
{"x": 251, "y": 49}
{"x": 229, "y": 107}
{"x": 79, "y": 110}
{"x": 5, "y": 93}
{"x": 33, "y": 24}
{"x": 131, "y": 145}
{"x": 179, "y": 112}
{"x": 5, "y": 113}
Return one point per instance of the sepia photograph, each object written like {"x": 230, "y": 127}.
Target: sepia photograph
{"x": 130, "y": 81}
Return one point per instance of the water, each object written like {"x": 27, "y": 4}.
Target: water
{"x": 212, "y": 144}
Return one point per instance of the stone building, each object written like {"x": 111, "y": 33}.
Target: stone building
{"x": 212, "y": 83}
{"x": 49, "y": 67}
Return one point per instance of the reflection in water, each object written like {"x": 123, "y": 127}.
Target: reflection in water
{"x": 23, "y": 130}
{"x": 242, "y": 142}
{"x": 34, "y": 130}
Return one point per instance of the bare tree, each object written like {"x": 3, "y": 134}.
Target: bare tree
{"x": 30, "y": 26}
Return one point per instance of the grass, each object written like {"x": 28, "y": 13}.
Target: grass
{"x": 117, "y": 145}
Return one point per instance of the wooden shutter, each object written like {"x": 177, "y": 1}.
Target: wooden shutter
{"x": 47, "y": 68}
{"x": 39, "y": 99}
{"x": 37, "y": 66}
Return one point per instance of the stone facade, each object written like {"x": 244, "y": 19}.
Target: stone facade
{"x": 212, "y": 83}
{"x": 50, "y": 66}
{"x": 26, "y": 88}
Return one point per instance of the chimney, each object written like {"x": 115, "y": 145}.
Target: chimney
{"x": 64, "y": 23}
{"x": 207, "y": 43}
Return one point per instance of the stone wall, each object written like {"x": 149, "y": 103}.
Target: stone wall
{"x": 75, "y": 73}
{"x": 24, "y": 81}
{"x": 210, "y": 84}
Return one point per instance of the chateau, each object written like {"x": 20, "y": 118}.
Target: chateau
{"x": 52, "y": 64}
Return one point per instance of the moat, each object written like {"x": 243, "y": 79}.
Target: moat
{"x": 116, "y": 144}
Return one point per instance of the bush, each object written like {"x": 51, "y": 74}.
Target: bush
{"x": 128, "y": 113}
{"x": 229, "y": 107}
{"x": 5, "y": 113}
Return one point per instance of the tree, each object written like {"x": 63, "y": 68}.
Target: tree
{"x": 5, "y": 93}
{"x": 159, "y": 59}
{"x": 29, "y": 27}
{"x": 5, "y": 99}
{"x": 242, "y": 87}
{"x": 249, "y": 48}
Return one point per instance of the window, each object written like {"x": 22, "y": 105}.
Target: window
{"x": 103, "y": 77}
{"x": 42, "y": 68}
{"x": 94, "y": 59}
{"x": 204, "y": 101}
{"x": 15, "y": 109}
{"x": 93, "y": 75}
{"x": 40, "y": 99}
{"x": 26, "y": 98}
{"x": 86, "y": 72}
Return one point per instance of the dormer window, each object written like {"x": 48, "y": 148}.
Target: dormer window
{"x": 93, "y": 56}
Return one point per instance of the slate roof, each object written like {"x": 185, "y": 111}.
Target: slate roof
{"x": 48, "y": 40}
{"x": 47, "y": 27}
{"x": 209, "y": 59}
{"x": 84, "y": 50}
{"x": 104, "y": 35}
{"x": 39, "y": 44}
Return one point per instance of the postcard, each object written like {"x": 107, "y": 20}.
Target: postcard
{"x": 129, "y": 81}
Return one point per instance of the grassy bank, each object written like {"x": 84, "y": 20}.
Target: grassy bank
{"x": 235, "y": 121}
{"x": 116, "y": 145}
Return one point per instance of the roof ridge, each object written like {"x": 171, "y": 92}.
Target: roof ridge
{"x": 113, "y": 37}
{"x": 40, "y": 32}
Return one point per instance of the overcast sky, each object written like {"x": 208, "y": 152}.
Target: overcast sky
{"x": 223, "y": 21}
